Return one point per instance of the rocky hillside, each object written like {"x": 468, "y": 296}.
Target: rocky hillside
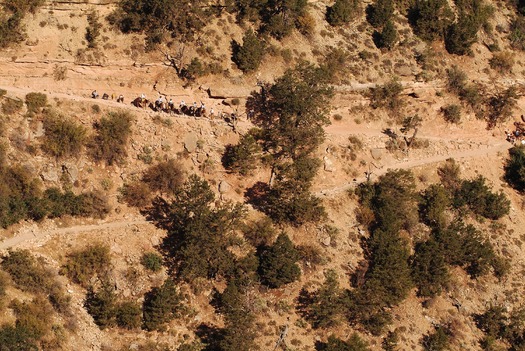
{"x": 350, "y": 178}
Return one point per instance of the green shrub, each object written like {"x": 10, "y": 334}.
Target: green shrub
{"x": 111, "y": 139}
{"x": 501, "y": 106}
{"x": 2, "y": 92}
{"x": 515, "y": 168}
{"x": 193, "y": 70}
{"x": 161, "y": 305}
{"x": 429, "y": 270}
{"x": 27, "y": 273}
{"x": 35, "y": 102}
{"x": 386, "y": 96}
{"x": 11, "y": 28}
{"x": 92, "y": 30}
{"x": 354, "y": 343}
{"x": 160, "y": 18}
{"x": 460, "y": 36}
{"x": 435, "y": 200}
{"x": 84, "y": 264}
{"x": 260, "y": 233}
{"x": 12, "y": 106}
{"x": 152, "y": 261}
{"x": 249, "y": 55}
{"x": 33, "y": 316}
{"x": 323, "y": 308}
{"x": 342, "y": 12}
{"x": 439, "y": 340}
{"x": 278, "y": 263}
{"x": 452, "y": 113}
{"x": 63, "y": 138}
{"x": 430, "y": 18}
{"x": 517, "y": 33}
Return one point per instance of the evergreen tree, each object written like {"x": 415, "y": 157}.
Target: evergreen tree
{"x": 161, "y": 305}
{"x": 278, "y": 263}
{"x": 242, "y": 158}
{"x": 101, "y": 305}
{"x": 461, "y": 35}
{"x": 433, "y": 204}
{"x": 323, "y": 308}
{"x": 429, "y": 270}
{"x": 379, "y": 13}
{"x": 515, "y": 168}
{"x": 341, "y": 12}
{"x": 249, "y": 55}
{"x": 430, "y": 18}
{"x": 388, "y": 36}
{"x": 199, "y": 233}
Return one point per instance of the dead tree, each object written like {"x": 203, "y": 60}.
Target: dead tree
{"x": 175, "y": 60}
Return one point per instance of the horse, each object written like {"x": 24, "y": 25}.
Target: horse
{"x": 200, "y": 112}
{"x": 105, "y": 96}
{"x": 140, "y": 102}
{"x": 120, "y": 99}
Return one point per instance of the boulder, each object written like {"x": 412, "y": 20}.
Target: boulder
{"x": 376, "y": 154}
{"x": 50, "y": 174}
{"x": 328, "y": 165}
{"x": 190, "y": 142}
{"x": 72, "y": 170}
{"x": 224, "y": 187}
{"x": 404, "y": 70}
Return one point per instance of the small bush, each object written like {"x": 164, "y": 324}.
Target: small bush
{"x": 478, "y": 197}
{"x": 2, "y": 92}
{"x": 27, "y": 273}
{"x": 517, "y": 33}
{"x": 152, "y": 261}
{"x": 136, "y": 194}
{"x": 164, "y": 177}
{"x": 92, "y": 30}
{"x": 386, "y": 96}
{"x": 62, "y": 138}
{"x": 379, "y": 13}
{"x": 430, "y": 19}
{"x": 35, "y": 102}
{"x": 12, "y": 106}
{"x": 387, "y": 38}
{"x": 83, "y": 265}
{"x": 439, "y": 340}
{"x": 452, "y": 113}
{"x": 502, "y": 62}
{"x": 111, "y": 139}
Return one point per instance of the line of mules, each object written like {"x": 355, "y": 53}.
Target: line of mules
{"x": 169, "y": 108}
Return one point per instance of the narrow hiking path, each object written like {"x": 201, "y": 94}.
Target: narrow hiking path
{"x": 40, "y": 235}
{"x": 407, "y": 164}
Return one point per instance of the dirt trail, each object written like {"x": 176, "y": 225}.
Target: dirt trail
{"x": 476, "y": 153}
{"x": 33, "y": 235}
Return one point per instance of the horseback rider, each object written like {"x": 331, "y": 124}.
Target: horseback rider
{"x": 120, "y": 98}
{"x": 94, "y": 94}
{"x": 105, "y": 96}
{"x": 170, "y": 104}
{"x": 202, "y": 105}
{"x": 142, "y": 97}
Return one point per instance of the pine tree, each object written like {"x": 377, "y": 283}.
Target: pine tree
{"x": 249, "y": 55}
{"x": 278, "y": 263}
{"x": 388, "y": 37}
{"x": 341, "y": 12}
{"x": 161, "y": 305}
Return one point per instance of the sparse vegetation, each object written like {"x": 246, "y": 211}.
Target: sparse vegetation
{"x": 386, "y": 96}
{"x": 35, "y": 102}
{"x": 111, "y": 139}
{"x": 82, "y": 265}
{"x": 452, "y": 113}
{"x": 63, "y": 137}
{"x": 152, "y": 261}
